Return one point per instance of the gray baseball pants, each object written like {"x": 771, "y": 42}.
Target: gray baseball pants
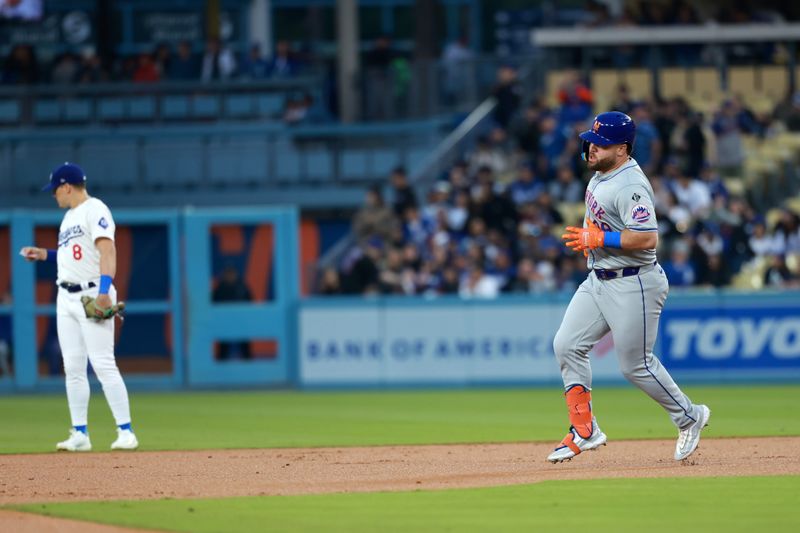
{"x": 629, "y": 307}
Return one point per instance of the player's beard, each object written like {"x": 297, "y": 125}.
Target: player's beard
{"x": 602, "y": 165}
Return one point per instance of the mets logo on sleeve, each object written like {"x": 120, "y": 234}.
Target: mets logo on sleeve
{"x": 103, "y": 223}
{"x": 640, "y": 213}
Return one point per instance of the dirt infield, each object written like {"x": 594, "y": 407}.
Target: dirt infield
{"x": 225, "y": 473}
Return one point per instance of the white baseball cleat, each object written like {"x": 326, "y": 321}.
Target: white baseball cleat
{"x": 78, "y": 441}
{"x": 126, "y": 440}
{"x": 573, "y": 444}
{"x": 689, "y": 438}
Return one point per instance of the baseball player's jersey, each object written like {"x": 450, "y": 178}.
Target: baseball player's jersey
{"x": 618, "y": 200}
{"x": 78, "y": 257}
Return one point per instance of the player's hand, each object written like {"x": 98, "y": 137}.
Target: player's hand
{"x": 102, "y": 304}
{"x": 32, "y": 253}
{"x": 583, "y": 239}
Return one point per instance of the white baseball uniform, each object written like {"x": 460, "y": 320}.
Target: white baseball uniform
{"x": 78, "y": 261}
{"x": 624, "y": 293}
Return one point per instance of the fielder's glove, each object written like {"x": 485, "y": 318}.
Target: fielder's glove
{"x": 92, "y": 311}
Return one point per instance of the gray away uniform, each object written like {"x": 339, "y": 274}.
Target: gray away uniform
{"x": 627, "y": 305}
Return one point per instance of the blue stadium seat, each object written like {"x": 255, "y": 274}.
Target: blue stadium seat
{"x": 173, "y": 163}
{"x": 205, "y": 106}
{"x": 78, "y": 110}
{"x": 109, "y": 164}
{"x": 32, "y": 161}
{"x": 353, "y": 165}
{"x": 384, "y": 161}
{"x": 9, "y": 111}
{"x": 110, "y": 109}
{"x": 287, "y": 161}
{"x": 415, "y": 157}
{"x": 319, "y": 165}
{"x": 239, "y": 106}
{"x": 141, "y": 108}
{"x": 236, "y": 161}
{"x": 175, "y": 107}
{"x": 270, "y": 105}
{"x": 47, "y": 111}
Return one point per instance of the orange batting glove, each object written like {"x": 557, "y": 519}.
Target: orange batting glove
{"x": 582, "y": 239}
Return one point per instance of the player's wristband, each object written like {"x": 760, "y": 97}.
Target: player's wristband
{"x": 613, "y": 239}
{"x": 105, "y": 284}
{"x": 52, "y": 256}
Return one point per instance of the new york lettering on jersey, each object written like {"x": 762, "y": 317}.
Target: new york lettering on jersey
{"x": 620, "y": 200}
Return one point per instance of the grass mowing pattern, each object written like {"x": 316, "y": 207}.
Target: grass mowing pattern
{"x": 191, "y": 420}
{"x": 619, "y": 505}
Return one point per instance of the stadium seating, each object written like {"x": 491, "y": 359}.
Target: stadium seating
{"x": 9, "y": 111}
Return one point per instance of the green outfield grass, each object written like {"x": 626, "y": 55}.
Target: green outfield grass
{"x": 292, "y": 419}
{"x": 619, "y": 505}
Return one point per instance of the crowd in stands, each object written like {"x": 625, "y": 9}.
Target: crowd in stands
{"x": 165, "y": 63}
{"x": 492, "y": 224}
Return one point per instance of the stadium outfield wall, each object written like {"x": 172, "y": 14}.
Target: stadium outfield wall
{"x": 169, "y": 340}
{"x": 711, "y": 337}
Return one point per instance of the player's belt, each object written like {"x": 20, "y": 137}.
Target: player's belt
{"x": 605, "y": 274}
{"x": 76, "y": 287}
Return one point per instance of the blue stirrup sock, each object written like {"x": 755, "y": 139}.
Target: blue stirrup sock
{"x": 125, "y": 426}
{"x": 82, "y": 429}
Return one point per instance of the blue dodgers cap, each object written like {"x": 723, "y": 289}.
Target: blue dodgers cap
{"x": 66, "y": 173}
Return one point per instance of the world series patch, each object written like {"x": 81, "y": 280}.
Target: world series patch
{"x": 103, "y": 223}
{"x": 640, "y": 214}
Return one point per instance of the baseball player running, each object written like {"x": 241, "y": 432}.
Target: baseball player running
{"x": 87, "y": 261}
{"x": 623, "y": 293}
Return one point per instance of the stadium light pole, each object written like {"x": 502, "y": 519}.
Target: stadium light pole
{"x": 347, "y": 39}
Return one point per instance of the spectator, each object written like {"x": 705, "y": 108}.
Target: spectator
{"x": 363, "y": 275}
{"x": 146, "y": 71}
{"x": 457, "y": 69}
{"x": 415, "y": 230}
{"x": 448, "y": 283}
{"x": 717, "y": 274}
{"x": 679, "y": 271}
{"x": 378, "y": 79}
{"x": 488, "y": 157}
{"x": 526, "y": 188}
{"x": 477, "y": 284}
{"x": 566, "y": 188}
{"x": 761, "y": 243}
{"x": 329, "y": 282}
{"x": 91, "y": 69}
{"x": 788, "y": 112}
{"x": 647, "y": 148}
{"x": 21, "y": 67}
{"x": 526, "y": 131}
{"x": 575, "y": 99}
{"x": 163, "y": 59}
{"x": 457, "y": 214}
{"x": 231, "y": 288}
{"x": 65, "y": 69}
{"x": 726, "y": 127}
{"x": 218, "y": 62}
{"x": 551, "y": 146}
{"x": 778, "y": 275}
{"x": 282, "y": 64}
{"x": 625, "y": 104}
{"x": 507, "y": 93}
{"x": 184, "y": 65}
{"x": 693, "y": 195}
{"x": 374, "y": 219}
{"x": 403, "y": 195}
{"x": 787, "y": 233}
{"x": 254, "y": 66}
